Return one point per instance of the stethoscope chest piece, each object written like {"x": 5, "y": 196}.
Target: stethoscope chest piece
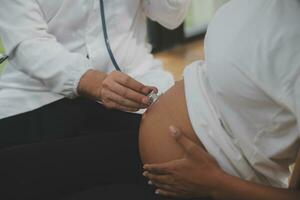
{"x": 153, "y": 97}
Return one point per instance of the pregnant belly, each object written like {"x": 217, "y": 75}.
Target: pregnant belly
{"x": 155, "y": 143}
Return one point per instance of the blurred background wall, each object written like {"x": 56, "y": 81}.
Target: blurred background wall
{"x": 199, "y": 15}
{"x": 194, "y": 27}
{"x": 180, "y": 47}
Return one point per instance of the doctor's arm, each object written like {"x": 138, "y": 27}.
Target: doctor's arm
{"x": 169, "y": 13}
{"x": 37, "y": 53}
{"x": 199, "y": 175}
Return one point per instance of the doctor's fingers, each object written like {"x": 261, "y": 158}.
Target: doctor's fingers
{"x": 129, "y": 94}
{"x": 133, "y": 84}
{"x": 108, "y": 96}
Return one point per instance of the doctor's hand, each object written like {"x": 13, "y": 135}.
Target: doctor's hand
{"x": 116, "y": 90}
{"x": 194, "y": 176}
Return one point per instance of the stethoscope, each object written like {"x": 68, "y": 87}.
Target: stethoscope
{"x": 3, "y": 58}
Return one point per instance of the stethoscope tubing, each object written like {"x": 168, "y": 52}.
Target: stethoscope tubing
{"x": 3, "y": 59}
{"x": 106, "y": 39}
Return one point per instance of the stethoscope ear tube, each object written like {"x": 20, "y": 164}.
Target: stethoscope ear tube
{"x": 104, "y": 27}
{"x": 3, "y": 58}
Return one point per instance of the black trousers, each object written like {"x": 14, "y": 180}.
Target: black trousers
{"x": 71, "y": 150}
{"x": 64, "y": 119}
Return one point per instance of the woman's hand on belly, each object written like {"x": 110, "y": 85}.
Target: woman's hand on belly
{"x": 195, "y": 175}
{"x": 188, "y": 169}
{"x": 198, "y": 175}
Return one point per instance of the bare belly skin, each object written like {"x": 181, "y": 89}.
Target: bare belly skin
{"x": 155, "y": 142}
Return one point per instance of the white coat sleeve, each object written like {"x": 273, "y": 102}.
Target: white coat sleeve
{"x": 297, "y": 102}
{"x": 37, "y": 53}
{"x": 169, "y": 13}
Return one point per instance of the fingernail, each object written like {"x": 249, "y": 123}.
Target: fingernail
{"x": 174, "y": 131}
{"x": 157, "y": 192}
{"x": 145, "y": 166}
{"x": 145, "y": 174}
{"x": 154, "y": 89}
{"x": 150, "y": 183}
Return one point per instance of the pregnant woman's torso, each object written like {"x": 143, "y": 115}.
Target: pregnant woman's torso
{"x": 156, "y": 144}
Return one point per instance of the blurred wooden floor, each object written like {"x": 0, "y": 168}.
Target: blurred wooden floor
{"x": 176, "y": 59}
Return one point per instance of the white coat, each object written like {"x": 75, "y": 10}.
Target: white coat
{"x": 49, "y": 41}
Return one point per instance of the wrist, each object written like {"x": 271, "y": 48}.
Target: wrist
{"x": 90, "y": 84}
{"x": 221, "y": 181}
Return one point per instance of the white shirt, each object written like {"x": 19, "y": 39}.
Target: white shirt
{"x": 49, "y": 40}
{"x": 251, "y": 82}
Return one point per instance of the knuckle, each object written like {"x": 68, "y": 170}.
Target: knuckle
{"x": 113, "y": 85}
{"x": 114, "y": 73}
{"x": 125, "y": 80}
{"x": 126, "y": 93}
{"x": 105, "y": 83}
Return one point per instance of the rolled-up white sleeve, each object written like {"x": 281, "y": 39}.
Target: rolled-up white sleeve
{"x": 169, "y": 13}
{"x": 37, "y": 53}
